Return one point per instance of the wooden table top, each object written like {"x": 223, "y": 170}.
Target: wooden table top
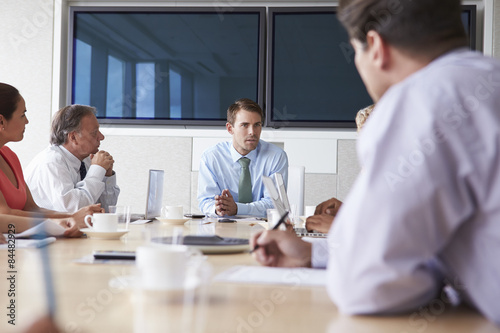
{"x": 86, "y": 302}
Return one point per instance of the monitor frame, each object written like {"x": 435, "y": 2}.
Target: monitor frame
{"x": 269, "y": 79}
{"x": 472, "y": 28}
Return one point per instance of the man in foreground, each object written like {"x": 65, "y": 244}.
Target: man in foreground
{"x": 424, "y": 211}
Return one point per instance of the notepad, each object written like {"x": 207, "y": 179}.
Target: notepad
{"x": 274, "y": 275}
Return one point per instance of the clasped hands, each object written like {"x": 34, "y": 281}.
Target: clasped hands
{"x": 225, "y": 204}
{"x": 105, "y": 160}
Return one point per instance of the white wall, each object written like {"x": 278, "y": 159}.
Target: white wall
{"x": 33, "y": 60}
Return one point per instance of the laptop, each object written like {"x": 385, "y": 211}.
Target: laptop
{"x": 154, "y": 199}
{"x": 277, "y": 192}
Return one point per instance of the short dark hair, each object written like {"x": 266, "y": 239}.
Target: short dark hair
{"x": 67, "y": 120}
{"x": 243, "y": 104}
{"x": 422, "y": 27}
{"x": 9, "y": 97}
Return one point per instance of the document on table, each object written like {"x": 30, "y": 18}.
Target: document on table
{"x": 28, "y": 243}
{"x": 274, "y": 275}
{"x": 46, "y": 228}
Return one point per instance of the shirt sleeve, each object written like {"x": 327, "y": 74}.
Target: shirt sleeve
{"x": 207, "y": 186}
{"x": 109, "y": 196}
{"x": 56, "y": 186}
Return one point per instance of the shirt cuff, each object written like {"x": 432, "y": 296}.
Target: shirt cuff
{"x": 111, "y": 180}
{"x": 319, "y": 254}
{"x": 243, "y": 209}
{"x": 96, "y": 171}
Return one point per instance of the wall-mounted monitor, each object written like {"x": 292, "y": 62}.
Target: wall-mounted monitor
{"x": 312, "y": 80}
{"x": 166, "y": 65}
{"x": 311, "y": 77}
{"x": 186, "y": 65}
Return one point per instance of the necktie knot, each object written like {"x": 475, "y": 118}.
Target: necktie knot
{"x": 83, "y": 171}
{"x": 244, "y": 162}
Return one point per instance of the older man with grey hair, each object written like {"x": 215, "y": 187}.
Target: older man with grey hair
{"x": 72, "y": 172}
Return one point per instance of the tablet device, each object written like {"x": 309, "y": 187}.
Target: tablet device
{"x": 115, "y": 255}
{"x": 204, "y": 240}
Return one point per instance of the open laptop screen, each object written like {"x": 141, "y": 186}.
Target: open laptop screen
{"x": 155, "y": 194}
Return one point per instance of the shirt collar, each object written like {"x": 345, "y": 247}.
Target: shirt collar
{"x": 73, "y": 161}
{"x": 235, "y": 156}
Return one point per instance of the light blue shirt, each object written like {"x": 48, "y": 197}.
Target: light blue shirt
{"x": 219, "y": 170}
{"x": 429, "y": 191}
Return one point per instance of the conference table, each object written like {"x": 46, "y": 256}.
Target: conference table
{"x": 87, "y": 301}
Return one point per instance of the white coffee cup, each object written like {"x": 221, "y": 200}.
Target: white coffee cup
{"x": 309, "y": 211}
{"x": 172, "y": 212}
{"x": 102, "y": 222}
{"x": 164, "y": 267}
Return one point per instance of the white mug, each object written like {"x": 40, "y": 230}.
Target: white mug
{"x": 172, "y": 212}
{"x": 102, "y": 222}
{"x": 165, "y": 267}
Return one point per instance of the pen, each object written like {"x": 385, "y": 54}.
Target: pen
{"x": 276, "y": 226}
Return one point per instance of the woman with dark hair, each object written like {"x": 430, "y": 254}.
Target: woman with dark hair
{"x": 15, "y": 196}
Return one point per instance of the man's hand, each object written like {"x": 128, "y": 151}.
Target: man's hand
{"x": 280, "y": 248}
{"x": 103, "y": 159}
{"x": 79, "y": 216}
{"x": 330, "y": 207}
{"x": 225, "y": 205}
{"x": 320, "y": 223}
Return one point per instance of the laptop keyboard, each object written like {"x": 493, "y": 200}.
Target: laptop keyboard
{"x": 302, "y": 232}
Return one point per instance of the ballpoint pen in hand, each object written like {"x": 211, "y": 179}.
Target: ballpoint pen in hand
{"x": 276, "y": 226}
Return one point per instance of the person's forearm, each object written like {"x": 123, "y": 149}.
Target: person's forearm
{"x": 20, "y": 223}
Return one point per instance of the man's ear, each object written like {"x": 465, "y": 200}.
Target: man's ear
{"x": 72, "y": 138}
{"x": 229, "y": 128}
{"x": 379, "y": 51}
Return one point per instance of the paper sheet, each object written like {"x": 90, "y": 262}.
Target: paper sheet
{"x": 273, "y": 275}
{"x": 46, "y": 228}
{"x": 30, "y": 243}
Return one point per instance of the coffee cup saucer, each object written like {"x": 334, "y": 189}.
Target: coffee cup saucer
{"x": 173, "y": 221}
{"x": 104, "y": 234}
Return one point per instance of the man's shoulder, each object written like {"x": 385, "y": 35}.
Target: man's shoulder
{"x": 267, "y": 147}
{"x": 219, "y": 148}
{"x": 50, "y": 155}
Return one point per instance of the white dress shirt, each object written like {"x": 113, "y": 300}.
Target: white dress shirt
{"x": 219, "y": 170}
{"x": 425, "y": 208}
{"x": 53, "y": 178}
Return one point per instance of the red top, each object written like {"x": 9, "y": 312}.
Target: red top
{"x": 15, "y": 196}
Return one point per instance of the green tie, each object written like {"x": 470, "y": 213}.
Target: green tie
{"x": 245, "y": 186}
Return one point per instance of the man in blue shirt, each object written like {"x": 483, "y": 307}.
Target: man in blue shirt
{"x": 224, "y": 185}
